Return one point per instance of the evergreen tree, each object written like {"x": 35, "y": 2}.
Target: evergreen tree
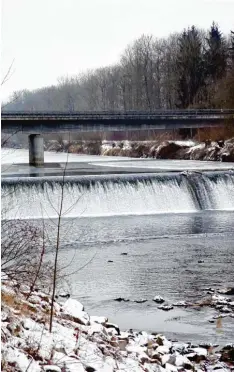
{"x": 232, "y": 47}
{"x": 216, "y": 54}
{"x": 189, "y": 66}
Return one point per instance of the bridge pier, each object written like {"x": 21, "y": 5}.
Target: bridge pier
{"x": 36, "y": 150}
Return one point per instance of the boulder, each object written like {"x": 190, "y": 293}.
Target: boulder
{"x": 227, "y": 291}
{"x": 74, "y": 310}
{"x": 167, "y": 150}
{"x": 158, "y": 299}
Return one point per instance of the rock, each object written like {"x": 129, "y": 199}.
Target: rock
{"x": 114, "y": 326}
{"x": 123, "y": 343}
{"x": 227, "y": 353}
{"x": 227, "y": 291}
{"x": 171, "y": 368}
{"x": 158, "y": 299}
{"x": 120, "y": 299}
{"x": 225, "y": 309}
{"x": 124, "y": 254}
{"x": 200, "y": 261}
{"x": 96, "y": 328}
{"x": 64, "y": 295}
{"x": 165, "y": 307}
{"x": 51, "y": 368}
{"x": 200, "y": 351}
{"x": 90, "y": 369}
{"x": 181, "y": 304}
{"x": 208, "y": 345}
{"x": 193, "y": 357}
{"x": 183, "y": 361}
{"x": 140, "y": 301}
{"x": 74, "y": 310}
{"x": 168, "y": 150}
{"x": 135, "y": 349}
{"x": 209, "y": 289}
{"x": 179, "y": 348}
{"x": 162, "y": 349}
{"x": 110, "y": 261}
{"x": 220, "y": 300}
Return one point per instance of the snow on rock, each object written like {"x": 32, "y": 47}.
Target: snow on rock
{"x": 72, "y": 306}
{"x": 158, "y": 299}
{"x": 18, "y": 359}
{"x": 74, "y": 309}
{"x": 51, "y": 368}
{"x": 200, "y": 351}
{"x": 180, "y": 304}
{"x": 95, "y": 345}
{"x": 170, "y": 368}
{"x": 165, "y": 307}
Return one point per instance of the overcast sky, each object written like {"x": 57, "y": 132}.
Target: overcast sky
{"x": 51, "y": 38}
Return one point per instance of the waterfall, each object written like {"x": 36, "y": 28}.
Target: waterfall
{"x": 119, "y": 195}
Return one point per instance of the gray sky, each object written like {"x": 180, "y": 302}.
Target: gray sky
{"x": 51, "y": 38}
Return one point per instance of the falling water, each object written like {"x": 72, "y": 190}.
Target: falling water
{"x": 152, "y": 195}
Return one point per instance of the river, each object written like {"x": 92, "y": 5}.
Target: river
{"x": 149, "y": 229}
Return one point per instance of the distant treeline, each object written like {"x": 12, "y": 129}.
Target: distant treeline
{"x": 194, "y": 68}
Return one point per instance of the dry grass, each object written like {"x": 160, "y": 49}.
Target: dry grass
{"x": 23, "y": 307}
{"x": 216, "y": 134}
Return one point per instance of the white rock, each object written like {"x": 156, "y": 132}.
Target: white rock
{"x": 180, "y": 303}
{"x": 16, "y": 356}
{"x": 181, "y": 360}
{"x": 34, "y": 299}
{"x": 72, "y": 305}
{"x": 158, "y": 299}
{"x": 165, "y": 358}
{"x": 75, "y": 309}
{"x": 95, "y": 328}
{"x": 200, "y": 351}
{"x": 225, "y": 309}
{"x": 220, "y": 299}
{"x": 170, "y": 367}
{"x": 165, "y": 307}
{"x": 136, "y": 349}
{"x": 163, "y": 349}
{"x": 51, "y": 368}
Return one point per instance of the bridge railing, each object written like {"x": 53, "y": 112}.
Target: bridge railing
{"x": 129, "y": 113}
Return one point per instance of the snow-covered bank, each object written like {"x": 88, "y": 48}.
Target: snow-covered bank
{"x": 188, "y": 150}
{"x": 80, "y": 342}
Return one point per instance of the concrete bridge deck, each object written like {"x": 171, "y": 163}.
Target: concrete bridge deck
{"x": 85, "y": 121}
{"x": 38, "y": 123}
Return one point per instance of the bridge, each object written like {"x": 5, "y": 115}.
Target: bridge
{"x": 37, "y": 123}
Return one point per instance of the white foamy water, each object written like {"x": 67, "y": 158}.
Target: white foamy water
{"x": 118, "y": 196}
{"x": 221, "y": 193}
{"x": 100, "y": 199}
{"x": 177, "y": 194}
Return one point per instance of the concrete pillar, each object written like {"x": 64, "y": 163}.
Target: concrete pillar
{"x": 36, "y": 150}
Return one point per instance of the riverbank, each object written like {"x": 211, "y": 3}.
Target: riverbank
{"x": 187, "y": 150}
{"x": 80, "y": 342}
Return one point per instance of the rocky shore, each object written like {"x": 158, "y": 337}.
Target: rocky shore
{"x": 187, "y": 150}
{"x": 80, "y": 342}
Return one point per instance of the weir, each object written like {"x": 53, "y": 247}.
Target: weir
{"x": 91, "y": 196}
